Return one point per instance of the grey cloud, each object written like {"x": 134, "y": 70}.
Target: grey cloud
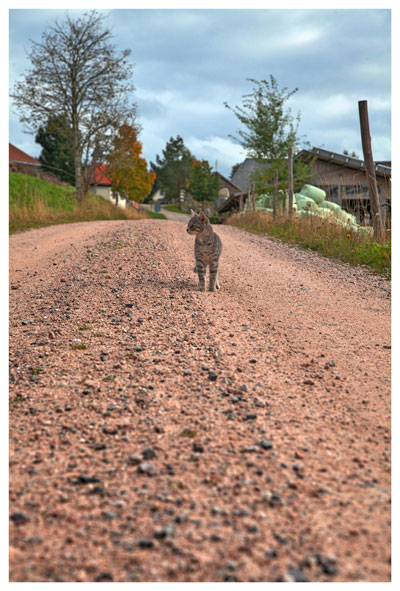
{"x": 203, "y": 57}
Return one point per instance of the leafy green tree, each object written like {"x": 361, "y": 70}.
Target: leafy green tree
{"x": 173, "y": 168}
{"x": 77, "y": 74}
{"x": 56, "y": 155}
{"x": 203, "y": 183}
{"x": 269, "y": 130}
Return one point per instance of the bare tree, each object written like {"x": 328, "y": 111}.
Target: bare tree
{"x": 77, "y": 74}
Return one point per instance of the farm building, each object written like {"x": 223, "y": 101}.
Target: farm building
{"x": 228, "y": 188}
{"x": 342, "y": 177}
{"x": 344, "y": 180}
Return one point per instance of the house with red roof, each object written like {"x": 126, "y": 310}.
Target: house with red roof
{"x": 18, "y": 158}
{"x": 101, "y": 185}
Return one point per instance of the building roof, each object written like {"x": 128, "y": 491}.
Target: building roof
{"x": 343, "y": 160}
{"x": 17, "y": 155}
{"x": 242, "y": 175}
{"x": 228, "y": 183}
{"x": 100, "y": 177}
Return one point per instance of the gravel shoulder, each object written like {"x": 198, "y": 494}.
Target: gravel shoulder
{"x": 158, "y": 433}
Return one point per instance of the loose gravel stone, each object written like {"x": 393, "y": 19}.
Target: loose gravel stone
{"x": 19, "y": 518}
{"x": 145, "y": 543}
{"x": 148, "y": 454}
{"x": 265, "y": 444}
{"x": 296, "y": 576}
{"x": 147, "y": 468}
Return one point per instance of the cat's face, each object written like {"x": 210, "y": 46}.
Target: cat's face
{"x": 197, "y": 223}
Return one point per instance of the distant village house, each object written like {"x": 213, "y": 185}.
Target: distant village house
{"x": 101, "y": 185}
{"x": 20, "y": 161}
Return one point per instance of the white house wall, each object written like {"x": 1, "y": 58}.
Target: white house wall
{"x": 107, "y": 193}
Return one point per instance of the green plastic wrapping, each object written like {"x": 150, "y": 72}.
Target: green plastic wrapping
{"x": 315, "y": 193}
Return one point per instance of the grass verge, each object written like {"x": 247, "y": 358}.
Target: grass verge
{"x": 322, "y": 236}
{"x": 155, "y": 215}
{"x": 175, "y": 208}
{"x": 35, "y": 203}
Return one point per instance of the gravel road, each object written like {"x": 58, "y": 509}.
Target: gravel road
{"x": 158, "y": 433}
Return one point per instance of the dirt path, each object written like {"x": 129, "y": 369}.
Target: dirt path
{"x": 174, "y": 216}
{"x": 162, "y": 434}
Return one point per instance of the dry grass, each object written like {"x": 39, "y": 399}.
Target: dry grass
{"x": 320, "y": 235}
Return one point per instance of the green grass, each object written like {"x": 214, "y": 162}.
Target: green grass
{"x": 155, "y": 215}
{"x": 34, "y": 203}
{"x": 175, "y": 208}
{"x": 322, "y": 236}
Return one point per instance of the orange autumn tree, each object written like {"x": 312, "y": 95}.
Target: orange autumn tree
{"x": 126, "y": 168}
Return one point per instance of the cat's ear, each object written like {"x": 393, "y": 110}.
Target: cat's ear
{"x": 193, "y": 212}
{"x": 203, "y": 217}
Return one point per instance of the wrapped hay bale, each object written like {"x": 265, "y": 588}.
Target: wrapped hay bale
{"x": 345, "y": 217}
{"x": 305, "y": 203}
{"x": 326, "y": 214}
{"x": 330, "y": 205}
{"x": 264, "y": 200}
{"x": 301, "y": 200}
{"x": 315, "y": 193}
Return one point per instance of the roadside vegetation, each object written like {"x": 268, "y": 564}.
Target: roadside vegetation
{"x": 155, "y": 215}
{"x": 324, "y": 237}
{"x": 175, "y": 208}
{"x": 35, "y": 203}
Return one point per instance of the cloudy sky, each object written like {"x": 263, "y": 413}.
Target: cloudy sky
{"x": 188, "y": 62}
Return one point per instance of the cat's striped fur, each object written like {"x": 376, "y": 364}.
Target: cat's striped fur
{"x": 207, "y": 250}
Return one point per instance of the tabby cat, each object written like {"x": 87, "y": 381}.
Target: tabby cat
{"x": 207, "y": 249}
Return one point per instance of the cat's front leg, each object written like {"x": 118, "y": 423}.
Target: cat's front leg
{"x": 214, "y": 284}
{"x": 201, "y": 271}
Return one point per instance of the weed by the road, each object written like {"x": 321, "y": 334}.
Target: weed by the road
{"x": 188, "y": 433}
{"x": 78, "y": 346}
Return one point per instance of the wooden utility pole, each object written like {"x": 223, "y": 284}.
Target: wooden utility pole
{"x": 290, "y": 181}
{"x": 253, "y": 197}
{"x": 370, "y": 170}
{"x": 275, "y": 196}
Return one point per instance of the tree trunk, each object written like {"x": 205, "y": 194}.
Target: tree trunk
{"x": 77, "y": 160}
{"x": 275, "y": 195}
